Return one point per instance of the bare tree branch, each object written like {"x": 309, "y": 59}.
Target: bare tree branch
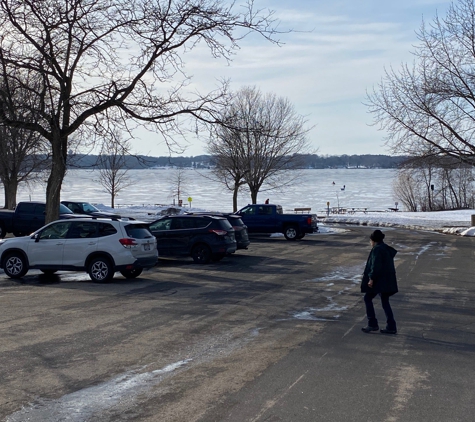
{"x": 92, "y": 56}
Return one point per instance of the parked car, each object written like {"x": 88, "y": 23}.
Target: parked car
{"x": 240, "y": 229}
{"x": 203, "y": 237}
{"x": 29, "y": 216}
{"x": 79, "y": 207}
{"x": 98, "y": 246}
{"x": 269, "y": 218}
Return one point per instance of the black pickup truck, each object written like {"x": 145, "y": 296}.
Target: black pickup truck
{"x": 268, "y": 218}
{"x": 28, "y": 217}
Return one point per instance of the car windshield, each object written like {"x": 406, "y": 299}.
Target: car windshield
{"x": 87, "y": 207}
{"x": 63, "y": 209}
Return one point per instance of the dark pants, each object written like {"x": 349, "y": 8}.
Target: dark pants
{"x": 372, "y": 321}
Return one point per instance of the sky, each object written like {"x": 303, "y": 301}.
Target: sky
{"x": 337, "y": 52}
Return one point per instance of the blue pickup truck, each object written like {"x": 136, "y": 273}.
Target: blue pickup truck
{"x": 268, "y": 218}
{"x": 28, "y": 217}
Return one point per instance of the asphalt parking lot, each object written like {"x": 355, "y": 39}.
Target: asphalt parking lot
{"x": 268, "y": 334}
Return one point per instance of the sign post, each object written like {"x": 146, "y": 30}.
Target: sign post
{"x": 189, "y": 200}
{"x": 328, "y": 208}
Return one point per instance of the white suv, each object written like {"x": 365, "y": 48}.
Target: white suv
{"x": 99, "y": 246}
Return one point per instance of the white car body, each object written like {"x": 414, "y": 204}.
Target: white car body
{"x": 99, "y": 246}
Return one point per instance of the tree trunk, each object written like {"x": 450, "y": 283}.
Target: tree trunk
{"x": 254, "y": 196}
{"x": 235, "y": 195}
{"x": 55, "y": 179}
{"x": 10, "y": 188}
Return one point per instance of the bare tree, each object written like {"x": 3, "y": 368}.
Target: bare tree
{"x": 406, "y": 190}
{"x": 113, "y": 174}
{"x": 433, "y": 101}
{"x": 23, "y": 154}
{"x": 22, "y": 160}
{"x": 429, "y": 183}
{"x": 178, "y": 181}
{"x": 260, "y": 137}
{"x": 120, "y": 60}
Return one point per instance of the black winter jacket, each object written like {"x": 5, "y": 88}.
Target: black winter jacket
{"x": 380, "y": 268}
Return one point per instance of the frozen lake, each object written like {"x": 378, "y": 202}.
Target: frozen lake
{"x": 364, "y": 188}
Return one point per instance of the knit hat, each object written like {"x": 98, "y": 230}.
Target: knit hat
{"x": 377, "y": 236}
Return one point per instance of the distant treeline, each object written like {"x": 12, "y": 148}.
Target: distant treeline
{"x": 206, "y": 161}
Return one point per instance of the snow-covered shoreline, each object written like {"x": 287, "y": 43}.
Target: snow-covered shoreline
{"x": 449, "y": 222}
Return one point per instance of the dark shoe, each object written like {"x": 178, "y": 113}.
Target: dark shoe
{"x": 368, "y": 329}
{"x": 386, "y": 331}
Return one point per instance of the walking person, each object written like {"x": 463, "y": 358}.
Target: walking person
{"x": 379, "y": 278}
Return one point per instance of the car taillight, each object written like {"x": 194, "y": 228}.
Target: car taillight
{"x": 309, "y": 221}
{"x": 219, "y": 232}
{"x": 127, "y": 242}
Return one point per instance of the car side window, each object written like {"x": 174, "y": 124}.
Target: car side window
{"x": 57, "y": 230}
{"x": 249, "y": 211}
{"x": 40, "y": 209}
{"x": 26, "y": 208}
{"x": 177, "y": 224}
{"x": 189, "y": 223}
{"x": 164, "y": 224}
{"x": 201, "y": 222}
{"x": 82, "y": 230}
{"x": 106, "y": 229}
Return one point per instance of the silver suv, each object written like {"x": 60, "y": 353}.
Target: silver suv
{"x": 98, "y": 246}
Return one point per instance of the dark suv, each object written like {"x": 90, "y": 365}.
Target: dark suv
{"x": 80, "y": 207}
{"x": 203, "y": 237}
{"x": 240, "y": 229}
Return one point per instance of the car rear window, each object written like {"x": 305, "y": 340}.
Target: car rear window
{"x": 138, "y": 231}
{"x": 26, "y": 208}
{"x": 235, "y": 221}
{"x": 225, "y": 224}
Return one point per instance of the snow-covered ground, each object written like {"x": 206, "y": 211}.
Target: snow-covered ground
{"x": 450, "y": 222}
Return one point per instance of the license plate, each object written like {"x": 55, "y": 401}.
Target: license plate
{"x": 146, "y": 247}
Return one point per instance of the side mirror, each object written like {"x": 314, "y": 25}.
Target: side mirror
{"x": 36, "y": 237}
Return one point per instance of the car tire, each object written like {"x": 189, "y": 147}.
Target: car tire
{"x": 201, "y": 253}
{"x": 3, "y": 232}
{"x": 15, "y": 265}
{"x": 132, "y": 273}
{"x": 301, "y": 236}
{"x": 100, "y": 270}
{"x": 291, "y": 233}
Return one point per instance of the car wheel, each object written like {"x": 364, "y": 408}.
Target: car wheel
{"x": 291, "y": 233}
{"x": 100, "y": 270}
{"x": 3, "y": 233}
{"x": 15, "y": 265}
{"x": 132, "y": 273}
{"x": 201, "y": 254}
